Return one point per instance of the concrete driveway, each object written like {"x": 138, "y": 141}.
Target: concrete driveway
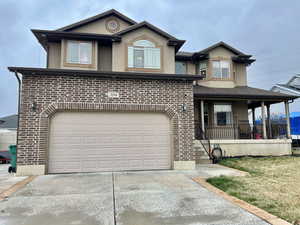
{"x": 6, "y": 179}
{"x": 133, "y": 198}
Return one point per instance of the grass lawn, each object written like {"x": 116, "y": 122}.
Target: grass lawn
{"x": 273, "y": 184}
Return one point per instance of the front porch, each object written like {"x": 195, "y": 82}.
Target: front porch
{"x": 222, "y": 118}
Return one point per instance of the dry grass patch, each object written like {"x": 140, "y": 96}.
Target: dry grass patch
{"x": 273, "y": 184}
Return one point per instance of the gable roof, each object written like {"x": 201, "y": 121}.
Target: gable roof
{"x": 172, "y": 41}
{"x": 203, "y": 54}
{"x": 224, "y": 45}
{"x": 111, "y": 12}
{"x": 9, "y": 122}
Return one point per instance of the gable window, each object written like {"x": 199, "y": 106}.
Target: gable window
{"x": 180, "y": 67}
{"x": 221, "y": 69}
{"x": 79, "y": 52}
{"x": 223, "y": 114}
{"x": 144, "y": 54}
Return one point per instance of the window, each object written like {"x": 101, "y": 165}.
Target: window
{"x": 223, "y": 114}
{"x": 202, "y": 68}
{"x": 79, "y": 52}
{"x": 221, "y": 69}
{"x": 180, "y": 67}
{"x": 143, "y": 54}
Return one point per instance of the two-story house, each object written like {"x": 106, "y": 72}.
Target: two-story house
{"x": 119, "y": 95}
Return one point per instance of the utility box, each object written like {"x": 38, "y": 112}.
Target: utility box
{"x": 13, "y": 159}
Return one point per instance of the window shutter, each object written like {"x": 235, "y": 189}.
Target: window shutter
{"x": 156, "y": 58}
{"x": 148, "y": 61}
{"x": 130, "y": 57}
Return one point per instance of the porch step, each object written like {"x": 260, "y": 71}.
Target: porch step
{"x": 200, "y": 153}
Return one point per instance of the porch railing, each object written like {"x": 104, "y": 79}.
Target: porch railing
{"x": 240, "y": 131}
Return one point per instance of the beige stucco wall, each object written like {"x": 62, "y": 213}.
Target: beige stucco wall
{"x": 54, "y": 54}
{"x": 271, "y": 147}
{"x": 240, "y": 74}
{"x": 217, "y": 83}
{"x": 119, "y": 59}
{"x": 98, "y": 27}
{"x": 240, "y": 111}
{"x": 104, "y": 57}
{"x": 191, "y": 68}
{"x": 7, "y": 138}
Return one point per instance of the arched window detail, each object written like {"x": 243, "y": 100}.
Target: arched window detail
{"x": 144, "y": 54}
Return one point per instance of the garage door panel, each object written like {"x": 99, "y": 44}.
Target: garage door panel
{"x": 90, "y": 142}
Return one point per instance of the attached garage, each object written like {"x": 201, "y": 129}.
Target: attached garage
{"x": 109, "y": 141}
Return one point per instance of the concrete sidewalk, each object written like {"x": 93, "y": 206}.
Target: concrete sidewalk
{"x": 124, "y": 198}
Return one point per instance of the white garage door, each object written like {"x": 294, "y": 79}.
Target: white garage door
{"x": 93, "y": 141}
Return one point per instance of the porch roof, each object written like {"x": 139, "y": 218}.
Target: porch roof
{"x": 253, "y": 95}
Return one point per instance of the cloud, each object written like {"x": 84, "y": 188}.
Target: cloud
{"x": 268, "y": 29}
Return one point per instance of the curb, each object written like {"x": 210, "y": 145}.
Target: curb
{"x": 16, "y": 187}
{"x": 274, "y": 220}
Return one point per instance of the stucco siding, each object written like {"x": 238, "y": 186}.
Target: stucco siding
{"x": 54, "y": 55}
{"x": 104, "y": 57}
{"x": 240, "y": 111}
{"x": 240, "y": 74}
{"x": 271, "y": 147}
{"x": 98, "y": 27}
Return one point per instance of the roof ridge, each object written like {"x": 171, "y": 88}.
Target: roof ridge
{"x": 151, "y": 26}
{"x": 96, "y": 17}
{"x": 222, "y": 43}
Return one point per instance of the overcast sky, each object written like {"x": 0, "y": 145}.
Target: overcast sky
{"x": 267, "y": 29}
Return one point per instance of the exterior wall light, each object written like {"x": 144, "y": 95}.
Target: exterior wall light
{"x": 33, "y": 106}
{"x": 183, "y": 107}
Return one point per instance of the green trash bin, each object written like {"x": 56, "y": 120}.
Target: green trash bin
{"x": 13, "y": 158}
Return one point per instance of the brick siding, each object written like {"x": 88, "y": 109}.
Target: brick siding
{"x": 62, "y": 93}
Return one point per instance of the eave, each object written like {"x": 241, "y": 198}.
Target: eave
{"x": 45, "y": 36}
{"x": 103, "y": 74}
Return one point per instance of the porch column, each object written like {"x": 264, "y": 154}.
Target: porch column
{"x": 269, "y": 121}
{"x": 253, "y": 116}
{"x": 263, "y": 120}
{"x": 287, "y": 117}
{"x": 202, "y": 115}
{"x": 253, "y": 123}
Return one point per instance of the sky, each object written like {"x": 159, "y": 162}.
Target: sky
{"x": 269, "y": 30}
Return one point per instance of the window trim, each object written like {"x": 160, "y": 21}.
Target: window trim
{"x": 210, "y": 68}
{"x": 92, "y": 65}
{"x": 215, "y": 122}
{"x": 130, "y": 44}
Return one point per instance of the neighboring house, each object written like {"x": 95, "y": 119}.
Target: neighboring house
{"x": 119, "y": 95}
{"x": 292, "y": 87}
{"x": 8, "y": 131}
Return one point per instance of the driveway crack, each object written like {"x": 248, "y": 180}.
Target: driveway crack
{"x": 114, "y": 198}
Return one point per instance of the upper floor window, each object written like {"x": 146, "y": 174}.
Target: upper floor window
{"x": 221, "y": 69}
{"x": 79, "y": 52}
{"x": 180, "y": 67}
{"x": 202, "y": 68}
{"x": 144, "y": 54}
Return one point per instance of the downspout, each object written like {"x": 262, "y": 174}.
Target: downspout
{"x": 19, "y": 103}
